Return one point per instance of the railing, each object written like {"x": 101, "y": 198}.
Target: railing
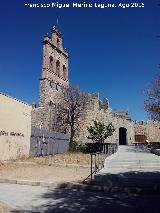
{"x": 148, "y": 147}
{"x": 141, "y": 147}
{"x": 98, "y": 158}
{"x": 155, "y": 148}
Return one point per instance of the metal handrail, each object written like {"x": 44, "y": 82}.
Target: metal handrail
{"x": 98, "y": 159}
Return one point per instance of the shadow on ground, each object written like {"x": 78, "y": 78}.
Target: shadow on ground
{"x": 75, "y": 200}
{"x": 148, "y": 182}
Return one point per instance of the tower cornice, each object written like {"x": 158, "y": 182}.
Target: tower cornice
{"x": 58, "y": 50}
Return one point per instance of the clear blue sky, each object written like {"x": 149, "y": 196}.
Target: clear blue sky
{"x": 113, "y": 51}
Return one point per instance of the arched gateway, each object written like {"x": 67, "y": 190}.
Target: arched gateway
{"x": 122, "y": 136}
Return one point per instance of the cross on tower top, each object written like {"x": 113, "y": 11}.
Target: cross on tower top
{"x": 56, "y": 27}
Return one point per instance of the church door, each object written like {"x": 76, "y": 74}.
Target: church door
{"x": 122, "y": 136}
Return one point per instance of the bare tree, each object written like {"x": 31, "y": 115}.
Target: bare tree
{"x": 71, "y": 111}
{"x": 152, "y": 102}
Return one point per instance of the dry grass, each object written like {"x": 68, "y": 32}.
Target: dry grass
{"x": 43, "y": 173}
{"x": 66, "y": 158}
{"x": 48, "y": 169}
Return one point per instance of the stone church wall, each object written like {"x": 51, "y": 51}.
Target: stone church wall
{"x": 53, "y": 82}
{"x": 106, "y": 116}
{"x": 50, "y": 92}
{"x": 45, "y": 117}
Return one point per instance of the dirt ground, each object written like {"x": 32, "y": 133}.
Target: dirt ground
{"x": 66, "y": 158}
{"x": 43, "y": 173}
{"x": 69, "y": 167}
{"x": 4, "y": 208}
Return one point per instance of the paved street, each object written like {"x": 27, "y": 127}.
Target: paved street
{"x": 39, "y": 199}
{"x": 22, "y": 196}
{"x": 127, "y": 168}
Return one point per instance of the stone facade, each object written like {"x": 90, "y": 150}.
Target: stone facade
{"x": 54, "y": 68}
{"x": 44, "y": 117}
{"x": 55, "y": 80}
{"x": 100, "y": 111}
{"x": 149, "y": 129}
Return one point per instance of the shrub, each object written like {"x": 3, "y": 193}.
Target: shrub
{"x": 77, "y": 147}
{"x": 99, "y": 131}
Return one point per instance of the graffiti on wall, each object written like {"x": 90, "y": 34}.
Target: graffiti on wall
{"x": 17, "y": 134}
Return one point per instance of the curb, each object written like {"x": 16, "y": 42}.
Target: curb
{"x": 8, "y": 181}
{"x": 55, "y": 164}
{"x": 30, "y": 183}
{"x": 63, "y": 185}
{"x": 87, "y": 187}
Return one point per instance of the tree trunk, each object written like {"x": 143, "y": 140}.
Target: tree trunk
{"x": 71, "y": 143}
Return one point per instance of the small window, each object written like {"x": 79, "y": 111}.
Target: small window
{"x": 58, "y": 43}
{"x": 57, "y": 87}
{"x": 58, "y": 68}
{"x": 51, "y": 84}
{"x": 64, "y": 72}
{"x": 50, "y": 103}
{"x": 51, "y": 62}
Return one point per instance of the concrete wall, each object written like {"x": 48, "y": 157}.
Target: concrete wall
{"x": 15, "y": 128}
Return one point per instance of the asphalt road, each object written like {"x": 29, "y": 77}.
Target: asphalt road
{"x": 23, "y": 198}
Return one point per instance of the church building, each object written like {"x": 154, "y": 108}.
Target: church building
{"x": 55, "y": 79}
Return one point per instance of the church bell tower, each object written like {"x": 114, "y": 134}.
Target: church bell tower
{"x": 54, "y": 68}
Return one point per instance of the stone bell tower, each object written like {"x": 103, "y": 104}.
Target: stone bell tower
{"x": 54, "y": 68}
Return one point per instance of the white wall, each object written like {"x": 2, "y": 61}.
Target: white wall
{"x": 15, "y": 128}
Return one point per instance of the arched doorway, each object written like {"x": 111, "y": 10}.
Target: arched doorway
{"x": 122, "y": 136}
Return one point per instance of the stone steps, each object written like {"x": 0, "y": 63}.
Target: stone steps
{"x": 129, "y": 168}
{"x": 155, "y": 166}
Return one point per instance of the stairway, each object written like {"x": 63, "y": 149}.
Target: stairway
{"x": 130, "y": 167}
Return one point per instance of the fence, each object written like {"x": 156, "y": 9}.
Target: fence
{"x": 98, "y": 157}
{"x": 44, "y": 142}
{"x": 105, "y": 148}
{"x": 147, "y": 146}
